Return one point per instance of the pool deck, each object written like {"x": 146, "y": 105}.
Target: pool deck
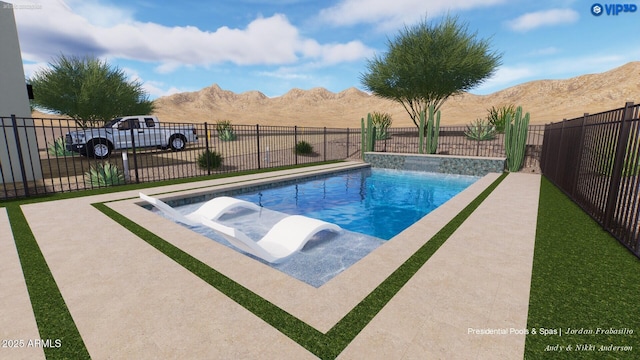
{"x": 129, "y": 300}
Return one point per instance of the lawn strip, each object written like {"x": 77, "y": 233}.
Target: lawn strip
{"x": 51, "y": 313}
{"x": 338, "y": 338}
{"x": 582, "y": 279}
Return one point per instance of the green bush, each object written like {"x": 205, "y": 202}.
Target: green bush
{"x": 58, "y": 148}
{"x": 104, "y": 174}
{"x": 481, "y": 130}
{"x": 498, "y": 115}
{"x": 303, "y": 148}
{"x": 225, "y": 131}
{"x": 381, "y": 121}
{"x": 209, "y": 160}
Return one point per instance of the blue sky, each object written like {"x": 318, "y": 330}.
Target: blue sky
{"x": 275, "y": 45}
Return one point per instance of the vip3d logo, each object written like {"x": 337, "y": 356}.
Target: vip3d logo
{"x": 612, "y": 9}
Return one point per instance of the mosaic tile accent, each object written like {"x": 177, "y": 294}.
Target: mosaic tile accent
{"x": 447, "y": 164}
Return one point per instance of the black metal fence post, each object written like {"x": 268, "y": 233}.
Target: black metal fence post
{"x": 135, "y": 157}
{"x": 347, "y": 143}
{"x": 23, "y": 171}
{"x": 325, "y": 143}
{"x": 258, "y": 143}
{"x": 206, "y": 147}
{"x": 295, "y": 143}
{"x": 618, "y": 164}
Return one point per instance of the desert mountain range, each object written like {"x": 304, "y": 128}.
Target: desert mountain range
{"x": 546, "y": 101}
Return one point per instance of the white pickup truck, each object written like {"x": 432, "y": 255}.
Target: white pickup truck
{"x": 116, "y": 134}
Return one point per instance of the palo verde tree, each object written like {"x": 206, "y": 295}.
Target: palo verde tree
{"x": 427, "y": 63}
{"x": 88, "y": 90}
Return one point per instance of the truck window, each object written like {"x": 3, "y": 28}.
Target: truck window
{"x": 124, "y": 125}
{"x": 149, "y": 122}
{"x": 135, "y": 123}
{"x": 129, "y": 124}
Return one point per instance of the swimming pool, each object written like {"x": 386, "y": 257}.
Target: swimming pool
{"x": 372, "y": 205}
{"x": 376, "y": 202}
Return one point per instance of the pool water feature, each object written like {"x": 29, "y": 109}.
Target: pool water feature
{"x": 371, "y": 205}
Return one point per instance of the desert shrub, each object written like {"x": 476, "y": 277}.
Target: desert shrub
{"x": 225, "y": 130}
{"x": 481, "y": 130}
{"x": 58, "y": 148}
{"x": 497, "y": 116}
{"x": 209, "y": 160}
{"x": 381, "y": 121}
{"x": 303, "y": 148}
{"x": 104, "y": 174}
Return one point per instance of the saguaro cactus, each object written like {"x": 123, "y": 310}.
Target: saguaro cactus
{"x": 368, "y": 135}
{"x": 515, "y": 139}
{"x": 432, "y": 131}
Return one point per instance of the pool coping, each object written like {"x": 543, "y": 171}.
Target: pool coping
{"x": 319, "y": 307}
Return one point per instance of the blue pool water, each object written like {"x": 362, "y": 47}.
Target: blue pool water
{"x": 377, "y": 202}
{"x": 371, "y": 205}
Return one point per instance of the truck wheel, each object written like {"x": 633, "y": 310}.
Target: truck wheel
{"x": 177, "y": 142}
{"x": 98, "y": 149}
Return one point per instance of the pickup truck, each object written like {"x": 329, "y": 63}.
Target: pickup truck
{"x": 117, "y": 134}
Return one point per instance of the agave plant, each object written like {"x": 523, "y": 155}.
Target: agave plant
{"x": 104, "y": 174}
{"x": 480, "y": 130}
{"x": 381, "y": 121}
{"x": 58, "y": 148}
{"x": 497, "y": 116}
{"x": 225, "y": 131}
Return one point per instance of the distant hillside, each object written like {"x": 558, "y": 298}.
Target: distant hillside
{"x": 546, "y": 100}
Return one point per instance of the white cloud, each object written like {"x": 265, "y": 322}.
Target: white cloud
{"x": 68, "y": 29}
{"x": 285, "y": 74}
{"x": 538, "y": 19}
{"x": 30, "y": 69}
{"x": 99, "y": 14}
{"x": 157, "y": 89}
{"x": 389, "y": 14}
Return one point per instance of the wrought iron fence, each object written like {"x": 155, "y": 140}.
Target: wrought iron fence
{"x": 43, "y": 163}
{"x": 595, "y": 160}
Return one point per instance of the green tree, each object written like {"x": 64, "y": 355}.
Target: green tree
{"x": 427, "y": 63}
{"x": 88, "y": 90}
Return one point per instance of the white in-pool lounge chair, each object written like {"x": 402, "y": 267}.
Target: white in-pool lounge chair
{"x": 283, "y": 240}
{"x": 212, "y": 209}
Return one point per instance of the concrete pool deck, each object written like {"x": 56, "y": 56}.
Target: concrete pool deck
{"x": 129, "y": 300}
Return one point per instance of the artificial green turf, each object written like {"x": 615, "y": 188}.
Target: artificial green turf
{"x": 582, "y": 279}
{"x": 331, "y": 344}
{"x": 52, "y": 315}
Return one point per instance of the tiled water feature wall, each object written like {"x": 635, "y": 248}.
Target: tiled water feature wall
{"x": 447, "y": 164}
